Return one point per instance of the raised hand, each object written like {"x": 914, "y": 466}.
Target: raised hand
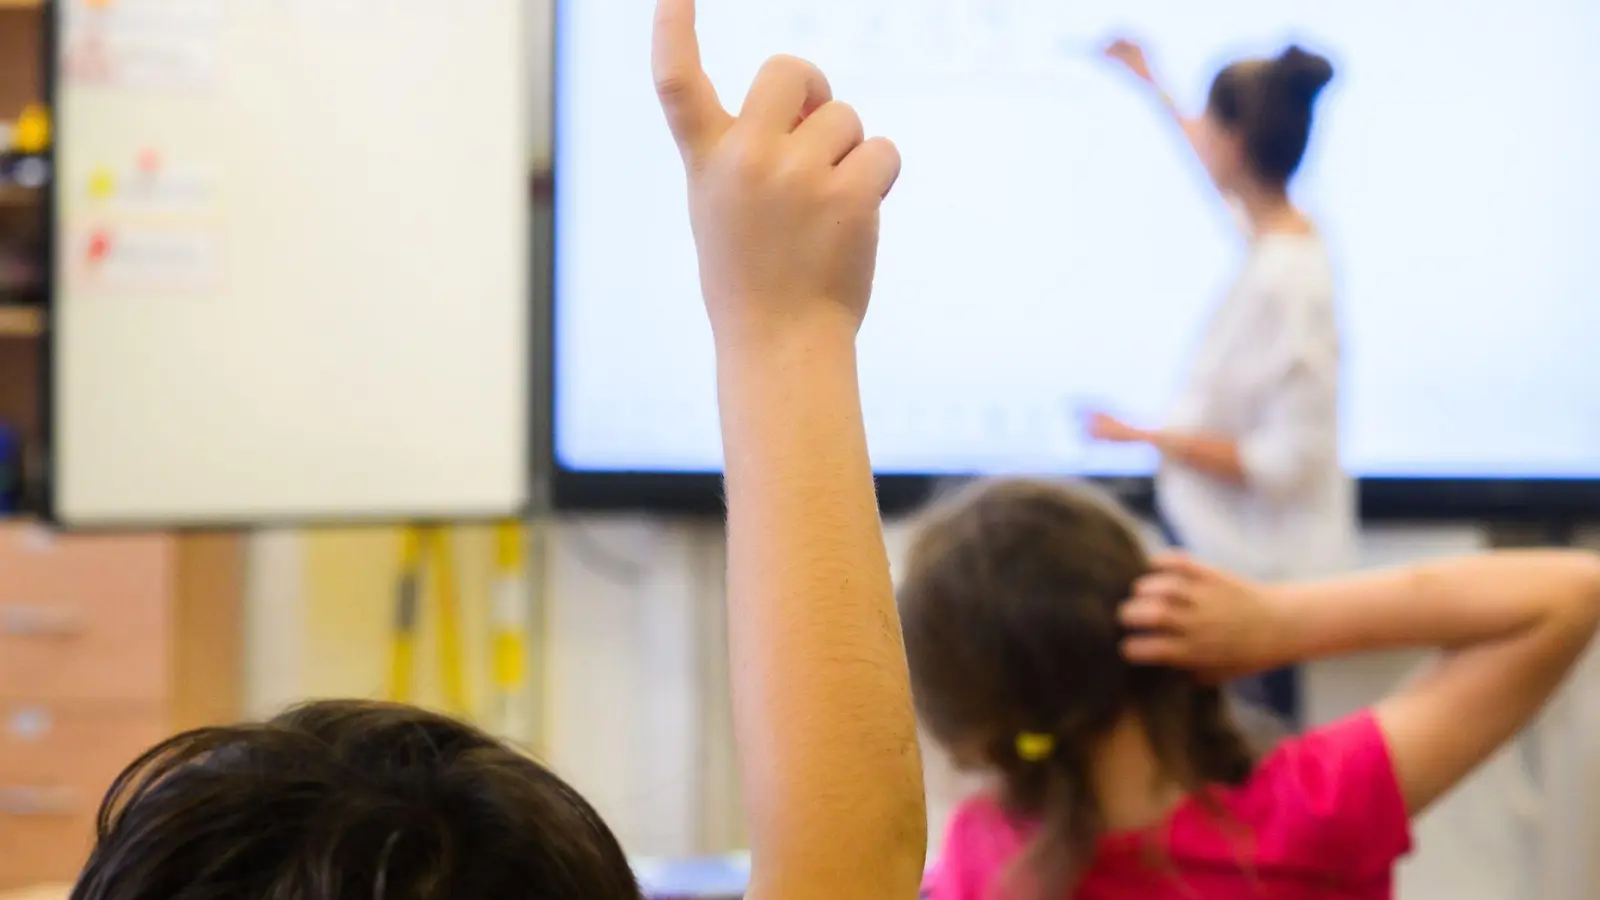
{"x": 1189, "y": 616}
{"x": 783, "y": 198}
{"x": 1132, "y": 57}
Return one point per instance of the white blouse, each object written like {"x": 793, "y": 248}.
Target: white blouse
{"x": 1267, "y": 375}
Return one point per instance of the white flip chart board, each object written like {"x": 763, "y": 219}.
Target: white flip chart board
{"x": 291, "y": 268}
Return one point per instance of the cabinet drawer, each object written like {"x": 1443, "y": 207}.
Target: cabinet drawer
{"x": 84, "y": 618}
{"x": 43, "y": 850}
{"x": 55, "y": 766}
{"x": 40, "y": 892}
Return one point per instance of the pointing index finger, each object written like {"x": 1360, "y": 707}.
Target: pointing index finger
{"x": 690, "y": 102}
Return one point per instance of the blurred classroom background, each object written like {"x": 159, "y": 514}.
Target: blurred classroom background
{"x": 110, "y": 640}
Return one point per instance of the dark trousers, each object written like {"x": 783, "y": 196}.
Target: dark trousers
{"x": 1278, "y": 691}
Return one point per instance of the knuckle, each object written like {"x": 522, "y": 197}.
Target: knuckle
{"x": 757, "y": 163}
{"x": 672, "y": 85}
{"x": 850, "y": 200}
{"x": 781, "y": 67}
{"x": 849, "y": 118}
{"x": 750, "y": 162}
{"x": 789, "y": 169}
{"x": 784, "y": 63}
{"x": 794, "y": 69}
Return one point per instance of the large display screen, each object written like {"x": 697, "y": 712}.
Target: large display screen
{"x": 1053, "y": 245}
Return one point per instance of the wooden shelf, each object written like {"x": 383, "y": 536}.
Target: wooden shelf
{"x": 20, "y": 4}
{"x": 14, "y": 196}
{"x": 20, "y": 321}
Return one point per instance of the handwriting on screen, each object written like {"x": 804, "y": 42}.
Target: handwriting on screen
{"x": 1051, "y": 243}
{"x": 901, "y": 40}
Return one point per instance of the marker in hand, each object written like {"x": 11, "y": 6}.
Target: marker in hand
{"x": 784, "y": 197}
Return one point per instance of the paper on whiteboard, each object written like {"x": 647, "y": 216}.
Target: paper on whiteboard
{"x": 121, "y": 259}
{"x": 143, "y": 44}
{"x": 145, "y": 184}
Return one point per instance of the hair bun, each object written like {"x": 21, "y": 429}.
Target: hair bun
{"x": 1303, "y": 74}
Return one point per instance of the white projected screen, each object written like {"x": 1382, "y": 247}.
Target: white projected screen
{"x": 292, "y": 268}
{"x": 1053, "y": 245}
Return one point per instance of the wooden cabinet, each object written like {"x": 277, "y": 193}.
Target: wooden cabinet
{"x": 85, "y": 620}
{"x": 107, "y": 645}
{"x": 56, "y": 761}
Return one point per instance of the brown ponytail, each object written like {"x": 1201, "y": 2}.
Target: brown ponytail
{"x": 1058, "y": 794}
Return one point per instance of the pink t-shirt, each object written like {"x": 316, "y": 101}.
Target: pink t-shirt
{"x": 1321, "y": 819}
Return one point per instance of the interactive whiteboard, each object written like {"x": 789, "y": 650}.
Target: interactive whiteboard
{"x": 1052, "y": 244}
{"x": 291, "y": 274}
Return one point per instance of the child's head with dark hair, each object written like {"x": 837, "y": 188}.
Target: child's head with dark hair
{"x": 348, "y": 801}
{"x": 1259, "y": 117}
{"x": 1010, "y": 607}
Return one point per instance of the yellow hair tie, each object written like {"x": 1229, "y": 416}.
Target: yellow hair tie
{"x": 1035, "y": 748}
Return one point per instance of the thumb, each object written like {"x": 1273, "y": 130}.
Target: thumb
{"x": 694, "y": 113}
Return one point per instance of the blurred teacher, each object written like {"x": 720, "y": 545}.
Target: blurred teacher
{"x": 1250, "y": 476}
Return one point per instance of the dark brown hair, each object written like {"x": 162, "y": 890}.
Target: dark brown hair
{"x": 1009, "y": 605}
{"x": 347, "y": 800}
{"x": 1270, "y": 105}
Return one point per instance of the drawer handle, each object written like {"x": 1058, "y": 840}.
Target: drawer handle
{"x": 39, "y": 621}
{"x": 36, "y": 802}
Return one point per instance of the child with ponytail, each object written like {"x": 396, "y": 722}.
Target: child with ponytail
{"x": 1048, "y": 651}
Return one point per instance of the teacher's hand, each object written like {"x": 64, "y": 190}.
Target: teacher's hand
{"x": 1111, "y": 430}
{"x": 1131, "y": 56}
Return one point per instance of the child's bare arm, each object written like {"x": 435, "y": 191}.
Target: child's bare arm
{"x": 784, "y": 200}
{"x": 1511, "y": 626}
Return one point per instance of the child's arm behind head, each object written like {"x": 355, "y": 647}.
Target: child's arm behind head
{"x": 784, "y": 201}
{"x": 1511, "y": 625}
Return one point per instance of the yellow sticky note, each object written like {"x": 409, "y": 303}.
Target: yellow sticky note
{"x": 102, "y": 183}
{"x": 33, "y": 130}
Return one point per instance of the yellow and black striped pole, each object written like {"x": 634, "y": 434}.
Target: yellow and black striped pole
{"x": 428, "y": 551}
{"x": 508, "y": 624}
{"x": 447, "y": 594}
{"x": 407, "y": 616}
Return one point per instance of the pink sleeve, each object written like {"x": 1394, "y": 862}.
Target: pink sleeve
{"x": 1349, "y": 799}
{"x": 962, "y": 871}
